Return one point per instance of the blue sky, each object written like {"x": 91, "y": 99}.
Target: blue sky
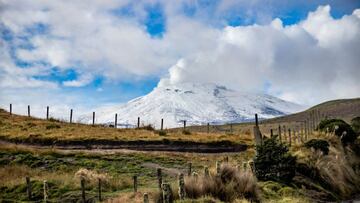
{"x": 77, "y": 55}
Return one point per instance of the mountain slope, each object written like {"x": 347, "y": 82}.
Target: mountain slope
{"x": 195, "y": 103}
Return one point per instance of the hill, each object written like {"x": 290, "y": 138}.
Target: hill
{"x": 345, "y": 109}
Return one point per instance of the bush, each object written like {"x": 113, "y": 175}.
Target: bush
{"x": 274, "y": 162}
{"x": 330, "y": 124}
{"x": 318, "y": 144}
{"x": 229, "y": 185}
{"x": 355, "y": 124}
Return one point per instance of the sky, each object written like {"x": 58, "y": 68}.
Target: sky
{"x": 86, "y": 54}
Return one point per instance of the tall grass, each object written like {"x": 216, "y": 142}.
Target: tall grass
{"x": 337, "y": 169}
{"x": 229, "y": 185}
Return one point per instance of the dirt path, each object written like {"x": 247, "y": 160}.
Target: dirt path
{"x": 106, "y": 149}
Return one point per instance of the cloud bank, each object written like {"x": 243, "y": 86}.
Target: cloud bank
{"x": 314, "y": 60}
{"x": 309, "y": 61}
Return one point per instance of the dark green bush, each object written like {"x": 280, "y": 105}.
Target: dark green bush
{"x": 330, "y": 124}
{"x": 325, "y": 123}
{"x": 355, "y": 124}
{"x": 318, "y": 144}
{"x": 274, "y": 162}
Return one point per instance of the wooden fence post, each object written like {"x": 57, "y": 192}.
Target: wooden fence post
{"x": 231, "y": 128}
{"x": 159, "y": 177}
{"x": 184, "y": 124}
{"x": 99, "y": 189}
{"x": 71, "y": 115}
{"x": 218, "y": 168}
{"x": 167, "y": 196}
{"x": 29, "y": 110}
{"x": 162, "y": 124}
{"x": 206, "y": 171}
{"x": 208, "y": 128}
{"x": 146, "y": 198}
{"x": 138, "y": 122}
{"x": 271, "y": 132}
{"x": 257, "y": 133}
{"x": 28, "y": 188}
{"x": 289, "y": 130}
{"x": 93, "y": 118}
{"x": 135, "y": 183}
{"x": 181, "y": 187}
{"x": 306, "y": 130}
{"x": 256, "y": 120}
{"x": 279, "y": 132}
{"x": 82, "y": 184}
{"x": 189, "y": 169}
{"x": 45, "y": 191}
{"x": 115, "y": 126}
{"x": 10, "y": 109}
{"x": 47, "y": 113}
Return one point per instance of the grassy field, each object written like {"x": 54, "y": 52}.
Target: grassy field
{"x": 17, "y": 127}
{"x": 345, "y": 109}
{"x": 336, "y": 174}
{"x": 61, "y": 168}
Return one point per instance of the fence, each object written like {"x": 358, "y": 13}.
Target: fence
{"x": 163, "y": 186}
{"x": 302, "y": 127}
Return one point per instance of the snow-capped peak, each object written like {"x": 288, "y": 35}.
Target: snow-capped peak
{"x": 195, "y": 103}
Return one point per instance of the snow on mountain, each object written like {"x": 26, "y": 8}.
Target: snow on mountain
{"x": 195, "y": 103}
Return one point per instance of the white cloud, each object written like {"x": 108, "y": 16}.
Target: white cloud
{"x": 12, "y": 76}
{"x": 82, "y": 81}
{"x": 308, "y": 62}
{"x": 312, "y": 61}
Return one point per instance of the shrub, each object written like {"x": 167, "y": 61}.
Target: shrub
{"x": 274, "y": 162}
{"x": 335, "y": 172}
{"x": 318, "y": 144}
{"x": 229, "y": 185}
{"x": 355, "y": 124}
{"x": 324, "y": 123}
{"x": 350, "y": 136}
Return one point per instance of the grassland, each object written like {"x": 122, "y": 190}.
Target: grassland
{"x": 17, "y": 128}
{"x": 336, "y": 174}
{"x": 345, "y": 109}
{"x": 60, "y": 169}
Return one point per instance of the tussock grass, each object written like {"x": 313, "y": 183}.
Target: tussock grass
{"x": 229, "y": 185}
{"x": 335, "y": 171}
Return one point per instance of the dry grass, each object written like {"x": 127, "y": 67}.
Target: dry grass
{"x": 23, "y": 127}
{"x": 12, "y": 175}
{"x": 336, "y": 169}
{"x": 229, "y": 185}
